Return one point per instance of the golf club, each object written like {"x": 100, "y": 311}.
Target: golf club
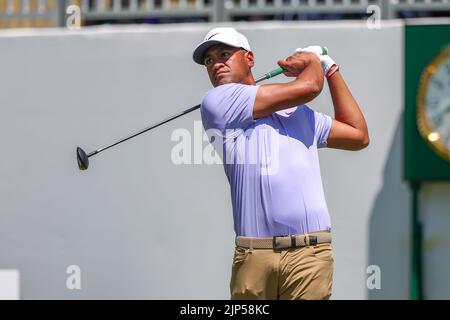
{"x": 83, "y": 158}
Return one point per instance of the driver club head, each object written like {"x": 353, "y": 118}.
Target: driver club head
{"x": 82, "y": 159}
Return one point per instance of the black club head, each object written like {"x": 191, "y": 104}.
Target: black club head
{"x": 82, "y": 159}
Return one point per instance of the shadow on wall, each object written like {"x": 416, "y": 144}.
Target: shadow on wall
{"x": 389, "y": 228}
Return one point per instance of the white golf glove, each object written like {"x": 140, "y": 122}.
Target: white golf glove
{"x": 326, "y": 61}
{"x": 318, "y": 50}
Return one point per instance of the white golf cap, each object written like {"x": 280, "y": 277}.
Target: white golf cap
{"x": 228, "y": 36}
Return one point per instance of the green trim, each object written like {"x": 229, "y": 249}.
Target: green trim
{"x": 274, "y": 73}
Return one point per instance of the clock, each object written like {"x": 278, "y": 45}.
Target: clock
{"x": 433, "y": 104}
{"x": 427, "y": 102}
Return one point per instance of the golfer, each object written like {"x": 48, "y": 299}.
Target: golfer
{"x": 268, "y": 139}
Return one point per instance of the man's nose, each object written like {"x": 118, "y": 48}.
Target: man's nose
{"x": 217, "y": 65}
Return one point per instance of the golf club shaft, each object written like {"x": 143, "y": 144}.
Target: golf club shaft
{"x": 266, "y": 76}
{"x": 145, "y": 130}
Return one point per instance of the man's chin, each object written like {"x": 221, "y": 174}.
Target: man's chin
{"x": 220, "y": 82}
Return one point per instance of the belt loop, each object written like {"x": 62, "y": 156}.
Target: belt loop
{"x": 250, "y": 249}
{"x": 306, "y": 239}
{"x": 293, "y": 241}
{"x": 313, "y": 240}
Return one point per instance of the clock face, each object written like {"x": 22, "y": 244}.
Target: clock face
{"x": 433, "y": 104}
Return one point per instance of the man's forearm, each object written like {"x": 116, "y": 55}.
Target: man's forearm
{"x": 346, "y": 108}
{"x": 313, "y": 75}
{"x": 278, "y": 96}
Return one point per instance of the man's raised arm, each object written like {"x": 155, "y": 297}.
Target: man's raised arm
{"x": 307, "y": 69}
{"x": 348, "y": 129}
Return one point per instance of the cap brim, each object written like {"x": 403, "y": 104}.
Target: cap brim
{"x": 201, "y": 49}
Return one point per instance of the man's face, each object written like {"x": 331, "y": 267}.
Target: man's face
{"x": 227, "y": 64}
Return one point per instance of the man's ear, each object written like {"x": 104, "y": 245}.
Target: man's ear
{"x": 250, "y": 59}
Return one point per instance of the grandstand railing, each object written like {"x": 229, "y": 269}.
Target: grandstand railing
{"x": 52, "y": 12}
{"x": 29, "y": 13}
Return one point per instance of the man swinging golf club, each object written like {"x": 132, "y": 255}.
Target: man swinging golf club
{"x": 281, "y": 220}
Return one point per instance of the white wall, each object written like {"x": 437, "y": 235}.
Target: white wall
{"x": 140, "y": 226}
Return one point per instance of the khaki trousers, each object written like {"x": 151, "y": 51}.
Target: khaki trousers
{"x": 304, "y": 273}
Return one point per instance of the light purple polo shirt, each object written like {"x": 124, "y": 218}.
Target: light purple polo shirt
{"x": 272, "y": 163}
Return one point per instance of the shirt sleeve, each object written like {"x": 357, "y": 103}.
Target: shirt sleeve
{"x": 322, "y": 124}
{"x": 229, "y": 107}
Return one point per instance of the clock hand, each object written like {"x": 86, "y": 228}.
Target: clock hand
{"x": 437, "y": 120}
{"x": 437, "y": 117}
